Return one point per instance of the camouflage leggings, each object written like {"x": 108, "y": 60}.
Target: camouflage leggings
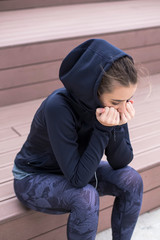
{"x": 53, "y": 194}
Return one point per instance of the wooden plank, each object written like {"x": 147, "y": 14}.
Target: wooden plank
{"x": 144, "y": 118}
{"x": 146, "y": 144}
{"x": 21, "y": 113}
{"x": 25, "y": 75}
{"x": 149, "y": 105}
{"x": 6, "y": 191}
{"x": 35, "y": 53}
{"x": 151, "y": 200}
{"x": 7, "y": 133}
{"x": 16, "y": 111}
{"x": 49, "y": 25}
{"x": 43, "y": 72}
{"x": 30, "y": 87}
{"x": 7, "y": 158}
{"x": 29, "y": 92}
{"x": 32, "y": 224}
{"x": 153, "y": 67}
{"x": 59, "y": 233}
{"x": 145, "y": 54}
{"x": 12, "y": 144}
{"x": 22, "y": 4}
{"x": 12, "y": 208}
{"x": 23, "y": 129}
{"x": 145, "y": 104}
{"x": 146, "y": 160}
{"x": 49, "y": 51}
{"x": 6, "y": 174}
{"x": 151, "y": 178}
{"x": 29, "y": 75}
{"x": 144, "y": 131}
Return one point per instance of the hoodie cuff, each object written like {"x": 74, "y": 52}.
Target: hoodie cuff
{"x": 103, "y": 128}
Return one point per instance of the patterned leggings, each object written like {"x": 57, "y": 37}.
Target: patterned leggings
{"x": 53, "y": 194}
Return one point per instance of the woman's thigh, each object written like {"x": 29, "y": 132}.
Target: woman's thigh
{"x": 113, "y": 182}
{"x": 53, "y": 194}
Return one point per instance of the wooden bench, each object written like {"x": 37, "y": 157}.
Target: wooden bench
{"x": 14, "y": 126}
{"x": 29, "y": 63}
{"x": 25, "y": 4}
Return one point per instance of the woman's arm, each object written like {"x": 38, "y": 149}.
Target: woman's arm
{"x": 119, "y": 150}
{"x": 63, "y": 138}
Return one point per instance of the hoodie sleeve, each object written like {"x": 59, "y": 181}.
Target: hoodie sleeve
{"x": 63, "y": 138}
{"x": 119, "y": 150}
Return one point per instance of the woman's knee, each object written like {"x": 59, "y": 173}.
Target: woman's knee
{"x": 86, "y": 198}
{"x": 133, "y": 180}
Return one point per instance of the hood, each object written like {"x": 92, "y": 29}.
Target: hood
{"x": 81, "y": 70}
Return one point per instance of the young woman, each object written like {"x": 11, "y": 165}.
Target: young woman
{"x": 59, "y": 168}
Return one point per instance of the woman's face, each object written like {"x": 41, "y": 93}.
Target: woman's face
{"x": 118, "y": 97}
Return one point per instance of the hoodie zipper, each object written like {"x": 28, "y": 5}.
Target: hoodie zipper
{"x": 95, "y": 174}
{"x": 114, "y": 135}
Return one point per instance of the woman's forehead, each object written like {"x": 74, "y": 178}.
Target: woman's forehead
{"x": 121, "y": 93}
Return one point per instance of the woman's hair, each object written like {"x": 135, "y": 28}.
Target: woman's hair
{"x": 122, "y": 72}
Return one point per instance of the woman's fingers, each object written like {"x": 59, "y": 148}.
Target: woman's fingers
{"x": 109, "y": 117}
{"x": 130, "y": 109}
{"x": 99, "y": 111}
{"x": 128, "y": 113}
{"x": 123, "y": 119}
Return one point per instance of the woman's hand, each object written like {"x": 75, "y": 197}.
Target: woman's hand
{"x": 128, "y": 114}
{"x": 108, "y": 116}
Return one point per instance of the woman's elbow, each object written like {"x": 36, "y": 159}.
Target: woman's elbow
{"x": 120, "y": 162}
{"x": 77, "y": 183}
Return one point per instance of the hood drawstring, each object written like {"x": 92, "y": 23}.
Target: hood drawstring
{"x": 96, "y": 180}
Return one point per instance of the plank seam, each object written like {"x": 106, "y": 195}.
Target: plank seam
{"x": 29, "y": 84}
{"x": 14, "y": 130}
{"x": 31, "y": 64}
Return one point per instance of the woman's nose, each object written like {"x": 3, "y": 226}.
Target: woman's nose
{"x": 122, "y": 107}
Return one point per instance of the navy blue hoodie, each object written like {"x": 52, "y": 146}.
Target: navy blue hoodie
{"x": 65, "y": 137}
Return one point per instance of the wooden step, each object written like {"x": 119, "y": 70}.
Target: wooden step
{"x": 6, "y": 5}
{"x": 32, "y": 48}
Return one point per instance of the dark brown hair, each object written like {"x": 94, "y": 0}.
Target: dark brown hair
{"x": 122, "y": 71}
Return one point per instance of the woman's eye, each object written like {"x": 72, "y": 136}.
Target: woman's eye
{"x": 115, "y": 103}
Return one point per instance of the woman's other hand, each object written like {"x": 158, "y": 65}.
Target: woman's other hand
{"x": 108, "y": 116}
{"x": 128, "y": 114}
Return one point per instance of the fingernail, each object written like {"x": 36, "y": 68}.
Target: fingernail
{"x": 131, "y": 101}
{"x": 101, "y": 110}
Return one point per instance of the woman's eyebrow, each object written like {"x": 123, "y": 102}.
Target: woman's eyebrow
{"x": 117, "y": 100}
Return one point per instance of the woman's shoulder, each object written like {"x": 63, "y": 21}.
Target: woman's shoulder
{"x": 57, "y": 99}
{"x": 58, "y": 102}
